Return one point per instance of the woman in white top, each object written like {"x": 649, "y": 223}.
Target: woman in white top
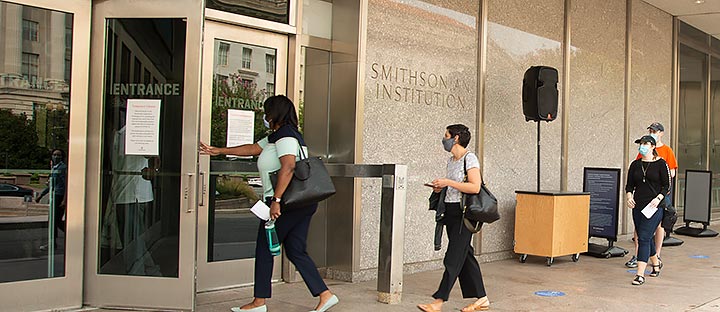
{"x": 279, "y": 152}
{"x": 460, "y": 263}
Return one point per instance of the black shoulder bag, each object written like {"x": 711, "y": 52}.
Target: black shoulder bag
{"x": 669, "y": 212}
{"x": 479, "y": 208}
{"x": 310, "y": 183}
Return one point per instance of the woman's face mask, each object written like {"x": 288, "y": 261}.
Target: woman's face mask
{"x": 644, "y": 150}
{"x": 265, "y": 122}
{"x": 448, "y": 143}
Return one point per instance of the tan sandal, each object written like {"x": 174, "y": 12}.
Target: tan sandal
{"x": 475, "y": 306}
{"x": 427, "y": 308}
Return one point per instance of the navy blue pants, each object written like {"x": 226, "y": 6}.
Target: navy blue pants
{"x": 645, "y": 229}
{"x": 292, "y": 230}
{"x": 460, "y": 263}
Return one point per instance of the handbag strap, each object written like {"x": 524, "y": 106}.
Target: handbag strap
{"x": 301, "y": 153}
{"x": 482, "y": 181}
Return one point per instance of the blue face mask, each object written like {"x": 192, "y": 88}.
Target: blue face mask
{"x": 644, "y": 150}
{"x": 448, "y": 143}
{"x": 655, "y": 136}
{"x": 265, "y": 122}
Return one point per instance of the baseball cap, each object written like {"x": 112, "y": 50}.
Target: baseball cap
{"x": 656, "y": 126}
{"x": 646, "y": 138}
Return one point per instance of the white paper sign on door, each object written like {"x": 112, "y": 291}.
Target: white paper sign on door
{"x": 143, "y": 127}
{"x": 240, "y": 127}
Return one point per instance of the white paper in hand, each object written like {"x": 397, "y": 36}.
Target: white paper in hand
{"x": 261, "y": 210}
{"x": 649, "y": 211}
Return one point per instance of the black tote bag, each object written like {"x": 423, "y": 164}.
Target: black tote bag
{"x": 480, "y": 207}
{"x": 310, "y": 183}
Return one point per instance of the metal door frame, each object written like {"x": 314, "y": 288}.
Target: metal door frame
{"x": 136, "y": 291}
{"x": 231, "y": 273}
{"x": 64, "y": 292}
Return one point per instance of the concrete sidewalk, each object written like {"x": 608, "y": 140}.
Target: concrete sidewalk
{"x": 687, "y": 283}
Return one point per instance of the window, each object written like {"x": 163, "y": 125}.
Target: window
{"x": 246, "y": 57}
{"x": 247, "y": 83}
{"x": 270, "y": 63}
{"x": 30, "y": 65}
{"x": 223, "y": 54}
{"x": 270, "y": 89}
{"x": 30, "y": 30}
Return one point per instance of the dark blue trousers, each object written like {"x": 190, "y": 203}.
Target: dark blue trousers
{"x": 645, "y": 229}
{"x": 292, "y": 230}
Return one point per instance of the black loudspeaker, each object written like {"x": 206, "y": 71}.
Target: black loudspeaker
{"x": 540, "y": 94}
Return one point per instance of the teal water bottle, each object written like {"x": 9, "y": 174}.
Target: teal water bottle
{"x": 272, "y": 238}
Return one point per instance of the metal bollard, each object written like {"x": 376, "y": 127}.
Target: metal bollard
{"x": 392, "y": 234}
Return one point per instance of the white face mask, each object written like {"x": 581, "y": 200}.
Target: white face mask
{"x": 265, "y": 122}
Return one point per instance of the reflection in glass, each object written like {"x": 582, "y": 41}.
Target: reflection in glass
{"x": 693, "y": 85}
{"x": 34, "y": 128}
{"x": 690, "y": 33}
{"x": 244, "y": 76}
{"x": 271, "y": 10}
{"x": 715, "y": 133}
{"x": 692, "y": 140}
{"x": 140, "y": 208}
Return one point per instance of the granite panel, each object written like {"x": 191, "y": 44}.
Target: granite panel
{"x": 597, "y": 87}
{"x": 520, "y": 34}
{"x": 420, "y": 76}
{"x": 651, "y": 74}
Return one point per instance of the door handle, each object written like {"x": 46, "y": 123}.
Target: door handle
{"x": 189, "y": 187}
{"x": 202, "y": 188}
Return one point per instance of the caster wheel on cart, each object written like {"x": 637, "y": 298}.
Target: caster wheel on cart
{"x": 550, "y": 261}
{"x": 523, "y": 258}
{"x": 576, "y": 257}
{"x": 608, "y": 256}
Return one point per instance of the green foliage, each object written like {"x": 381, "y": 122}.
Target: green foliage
{"x": 234, "y": 187}
{"x": 19, "y": 143}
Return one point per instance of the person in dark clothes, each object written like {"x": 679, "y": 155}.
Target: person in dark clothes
{"x": 648, "y": 181}
{"x": 460, "y": 263}
{"x": 279, "y": 152}
{"x": 57, "y": 187}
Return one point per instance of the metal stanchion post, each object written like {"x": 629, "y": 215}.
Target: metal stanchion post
{"x": 392, "y": 228}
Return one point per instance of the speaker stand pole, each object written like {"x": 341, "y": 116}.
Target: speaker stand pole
{"x": 538, "y": 156}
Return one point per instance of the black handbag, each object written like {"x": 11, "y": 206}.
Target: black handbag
{"x": 310, "y": 183}
{"x": 479, "y": 208}
{"x": 669, "y": 213}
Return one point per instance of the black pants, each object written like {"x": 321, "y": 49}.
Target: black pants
{"x": 292, "y": 230}
{"x": 459, "y": 262}
{"x": 59, "y": 212}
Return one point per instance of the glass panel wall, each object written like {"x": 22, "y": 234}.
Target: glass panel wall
{"x": 142, "y": 126}
{"x": 35, "y": 63}
{"x": 692, "y": 115}
{"x": 715, "y": 131}
{"x": 243, "y": 77}
{"x": 699, "y": 102}
{"x": 271, "y": 10}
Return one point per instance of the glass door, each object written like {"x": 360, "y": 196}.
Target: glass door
{"x": 241, "y": 68}
{"x": 144, "y": 93}
{"x": 43, "y": 111}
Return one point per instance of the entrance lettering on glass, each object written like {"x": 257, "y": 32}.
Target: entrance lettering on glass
{"x": 134, "y": 89}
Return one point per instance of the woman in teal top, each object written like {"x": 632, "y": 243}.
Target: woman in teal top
{"x": 279, "y": 152}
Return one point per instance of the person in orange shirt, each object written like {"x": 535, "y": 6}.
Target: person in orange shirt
{"x": 657, "y": 130}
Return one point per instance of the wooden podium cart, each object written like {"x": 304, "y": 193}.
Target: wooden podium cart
{"x": 551, "y": 224}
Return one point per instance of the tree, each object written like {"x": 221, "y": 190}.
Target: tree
{"x": 18, "y": 143}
